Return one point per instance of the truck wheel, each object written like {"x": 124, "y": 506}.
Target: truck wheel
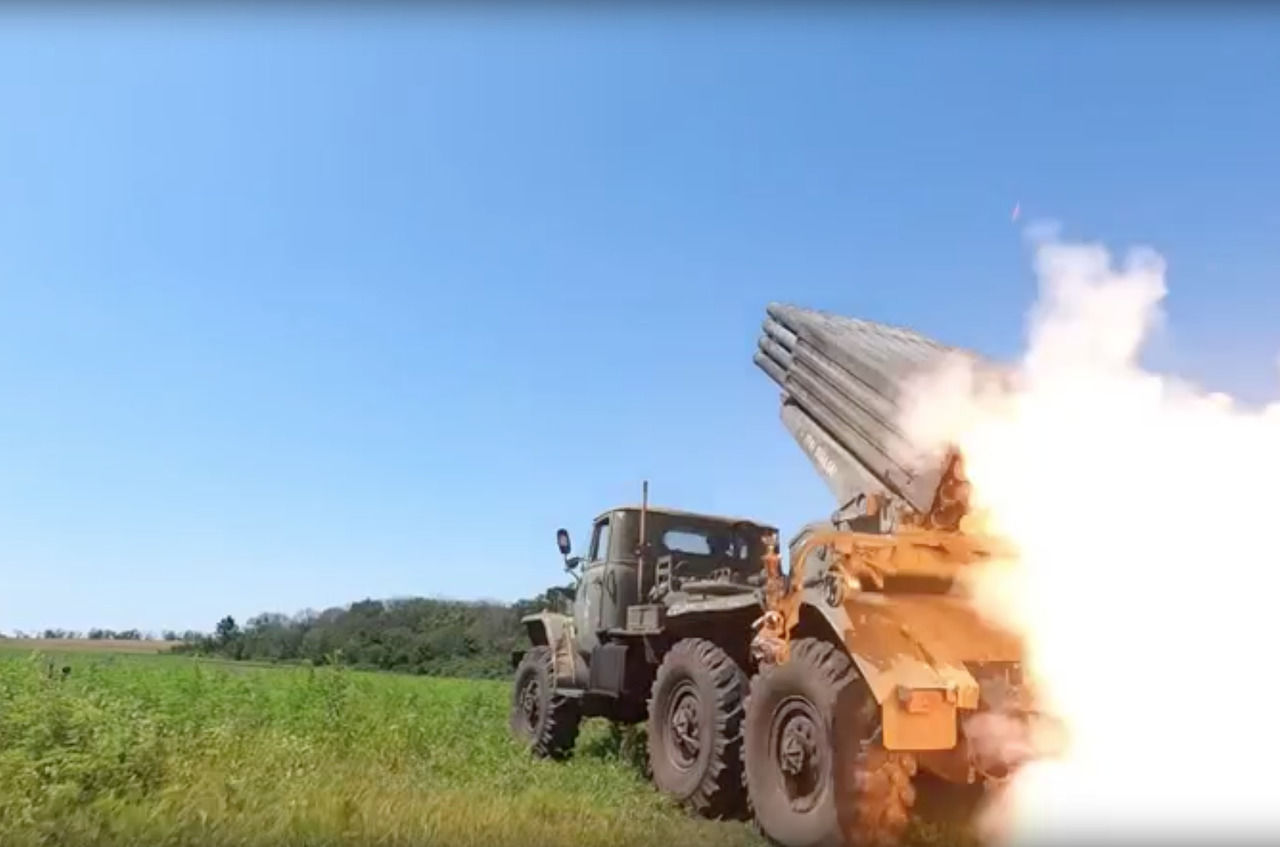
{"x": 695, "y": 728}
{"x": 815, "y": 773}
{"x": 542, "y": 719}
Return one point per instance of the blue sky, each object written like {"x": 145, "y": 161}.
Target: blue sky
{"x": 297, "y": 309}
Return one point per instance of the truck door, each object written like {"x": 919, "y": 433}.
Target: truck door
{"x": 590, "y": 604}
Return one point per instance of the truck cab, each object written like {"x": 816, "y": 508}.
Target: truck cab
{"x": 647, "y": 578}
{"x": 685, "y": 555}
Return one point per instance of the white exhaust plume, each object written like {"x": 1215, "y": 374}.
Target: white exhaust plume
{"x": 1146, "y": 582}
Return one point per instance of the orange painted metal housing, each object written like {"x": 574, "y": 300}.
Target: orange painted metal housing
{"x": 897, "y": 602}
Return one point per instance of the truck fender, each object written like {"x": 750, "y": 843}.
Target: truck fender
{"x": 898, "y": 673}
{"x": 840, "y": 628}
{"x": 557, "y": 632}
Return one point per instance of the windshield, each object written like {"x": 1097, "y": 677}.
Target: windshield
{"x": 720, "y": 542}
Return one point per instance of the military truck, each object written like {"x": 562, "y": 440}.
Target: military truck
{"x": 823, "y": 700}
{"x": 663, "y": 605}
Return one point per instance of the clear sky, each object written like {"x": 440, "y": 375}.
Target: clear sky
{"x": 299, "y": 309}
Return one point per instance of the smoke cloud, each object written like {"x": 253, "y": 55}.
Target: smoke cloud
{"x": 1146, "y": 579}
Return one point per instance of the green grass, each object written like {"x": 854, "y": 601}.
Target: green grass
{"x": 163, "y": 750}
{"x": 170, "y": 751}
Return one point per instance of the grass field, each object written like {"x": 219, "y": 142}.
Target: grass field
{"x": 132, "y": 748}
{"x": 165, "y": 750}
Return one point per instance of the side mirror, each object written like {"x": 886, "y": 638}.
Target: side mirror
{"x": 562, "y": 541}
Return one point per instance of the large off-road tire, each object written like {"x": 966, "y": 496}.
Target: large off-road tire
{"x": 544, "y": 720}
{"x": 815, "y": 770}
{"x": 695, "y": 728}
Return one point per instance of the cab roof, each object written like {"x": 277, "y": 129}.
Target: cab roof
{"x": 678, "y": 513}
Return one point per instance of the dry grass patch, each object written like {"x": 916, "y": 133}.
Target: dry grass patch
{"x": 84, "y": 645}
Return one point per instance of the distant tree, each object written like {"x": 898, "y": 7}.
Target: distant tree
{"x": 226, "y": 630}
{"x": 405, "y": 634}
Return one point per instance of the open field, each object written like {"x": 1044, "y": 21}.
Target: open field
{"x": 170, "y": 751}
{"x": 85, "y": 645}
{"x": 162, "y": 750}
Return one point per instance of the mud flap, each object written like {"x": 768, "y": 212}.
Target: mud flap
{"x": 918, "y": 719}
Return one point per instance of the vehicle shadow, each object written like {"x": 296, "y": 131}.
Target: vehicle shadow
{"x": 623, "y": 743}
{"x": 627, "y": 744}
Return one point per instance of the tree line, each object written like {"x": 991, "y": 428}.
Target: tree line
{"x": 410, "y": 635}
